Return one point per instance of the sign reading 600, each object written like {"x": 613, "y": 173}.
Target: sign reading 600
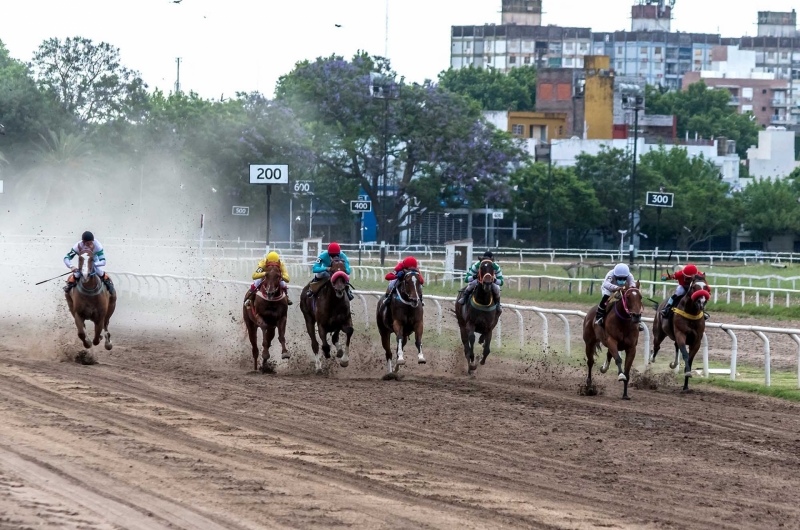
{"x": 269, "y": 174}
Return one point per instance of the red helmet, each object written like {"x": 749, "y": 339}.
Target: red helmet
{"x": 410, "y": 263}
{"x": 690, "y": 270}
{"x": 334, "y": 248}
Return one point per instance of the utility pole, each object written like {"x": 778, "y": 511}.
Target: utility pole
{"x": 545, "y": 152}
{"x": 633, "y": 99}
{"x": 178, "y": 79}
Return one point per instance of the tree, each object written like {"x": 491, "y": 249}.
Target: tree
{"x": 770, "y": 207}
{"x": 703, "y": 206}
{"x": 705, "y": 112}
{"x": 573, "y": 203}
{"x": 492, "y": 89}
{"x": 87, "y": 79}
{"x": 440, "y": 150}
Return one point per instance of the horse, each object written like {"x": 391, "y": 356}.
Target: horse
{"x": 479, "y": 314}
{"x": 687, "y": 326}
{"x": 268, "y": 311}
{"x": 90, "y": 300}
{"x": 402, "y": 314}
{"x": 329, "y": 311}
{"x": 621, "y": 332}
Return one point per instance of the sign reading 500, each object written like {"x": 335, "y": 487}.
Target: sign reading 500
{"x": 269, "y": 174}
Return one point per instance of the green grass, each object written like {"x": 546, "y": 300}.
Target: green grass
{"x": 790, "y": 394}
{"x": 751, "y": 379}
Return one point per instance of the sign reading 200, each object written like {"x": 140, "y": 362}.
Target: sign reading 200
{"x": 269, "y": 174}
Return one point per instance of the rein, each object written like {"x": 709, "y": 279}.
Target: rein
{"x": 624, "y": 301}
{"x": 690, "y": 316}
{"x": 410, "y": 303}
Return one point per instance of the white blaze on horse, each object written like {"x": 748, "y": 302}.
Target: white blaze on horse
{"x": 91, "y": 300}
{"x": 402, "y": 314}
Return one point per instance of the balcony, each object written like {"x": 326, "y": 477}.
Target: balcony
{"x": 734, "y": 101}
{"x": 780, "y": 103}
{"x": 780, "y": 119}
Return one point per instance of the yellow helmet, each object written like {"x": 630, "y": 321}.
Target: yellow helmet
{"x": 273, "y": 257}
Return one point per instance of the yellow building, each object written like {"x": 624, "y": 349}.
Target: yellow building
{"x": 542, "y": 126}
{"x": 598, "y": 98}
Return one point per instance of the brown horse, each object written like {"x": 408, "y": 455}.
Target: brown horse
{"x": 90, "y": 300}
{"x": 686, "y": 327}
{"x": 478, "y": 315}
{"x": 401, "y": 315}
{"x": 268, "y": 312}
{"x": 621, "y": 332}
{"x": 329, "y": 311}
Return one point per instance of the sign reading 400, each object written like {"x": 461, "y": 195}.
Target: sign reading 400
{"x": 269, "y": 174}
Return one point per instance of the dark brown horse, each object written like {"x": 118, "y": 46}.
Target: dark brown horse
{"x": 478, "y": 315}
{"x": 686, "y": 327}
{"x": 90, "y": 300}
{"x": 268, "y": 312}
{"x": 401, "y": 315}
{"x": 621, "y": 332}
{"x": 329, "y": 311}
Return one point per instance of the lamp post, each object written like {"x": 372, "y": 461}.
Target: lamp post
{"x": 383, "y": 88}
{"x": 544, "y": 152}
{"x": 633, "y": 99}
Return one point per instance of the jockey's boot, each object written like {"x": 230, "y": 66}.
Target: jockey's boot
{"x": 667, "y": 311}
{"x": 706, "y": 316}
{"x": 600, "y": 318}
{"x": 249, "y": 297}
{"x": 70, "y": 283}
{"x": 286, "y": 294}
{"x": 109, "y": 285}
{"x": 465, "y": 295}
{"x": 350, "y": 294}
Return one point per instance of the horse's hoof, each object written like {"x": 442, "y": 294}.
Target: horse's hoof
{"x": 318, "y": 371}
{"x": 687, "y": 391}
{"x": 421, "y": 360}
{"x": 339, "y": 354}
{"x": 344, "y": 364}
{"x": 285, "y": 355}
{"x": 621, "y": 377}
{"x": 390, "y": 377}
{"x": 672, "y": 366}
{"x": 688, "y": 373}
{"x": 603, "y": 369}
{"x": 400, "y": 361}
{"x": 327, "y": 354}
{"x": 109, "y": 346}
{"x": 626, "y": 398}
{"x": 87, "y": 344}
{"x": 483, "y": 361}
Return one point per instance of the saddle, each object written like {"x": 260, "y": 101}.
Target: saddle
{"x": 262, "y": 293}
{"x": 615, "y": 297}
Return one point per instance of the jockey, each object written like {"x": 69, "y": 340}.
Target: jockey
{"x": 88, "y": 243}
{"x": 409, "y": 263}
{"x": 684, "y": 278}
{"x": 271, "y": 259}
{"x": 472, "y": 279}
{"x": 322, "y": 266}
{"x": 617, "y": 278}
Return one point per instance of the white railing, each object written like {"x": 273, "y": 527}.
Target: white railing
{"x": 143, "y": 285}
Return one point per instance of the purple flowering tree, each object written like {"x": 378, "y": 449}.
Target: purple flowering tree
{"x": 440, "y": 151}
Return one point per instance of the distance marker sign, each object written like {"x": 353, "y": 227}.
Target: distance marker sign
{"x": 269, "y": 174}
{"x": 360, "y": 206}
{"x": 660, "y": 199}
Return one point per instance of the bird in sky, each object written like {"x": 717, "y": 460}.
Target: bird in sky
{"x": 338, "y": 25}
{"x": 177, "y": 1}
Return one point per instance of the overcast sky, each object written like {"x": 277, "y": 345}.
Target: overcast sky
{"x": 244, "y": 45}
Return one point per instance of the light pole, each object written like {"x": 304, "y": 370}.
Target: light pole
{"x": 621, "y": 242}
{"x": 544, "y": 152}
{"x": 383, "y": 88}
{"x": 633, "y": 99}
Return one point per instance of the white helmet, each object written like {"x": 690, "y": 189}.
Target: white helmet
{"x": 621, "y": 270}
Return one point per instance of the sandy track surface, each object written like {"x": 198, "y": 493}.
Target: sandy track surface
{"x": 157, "y": 436}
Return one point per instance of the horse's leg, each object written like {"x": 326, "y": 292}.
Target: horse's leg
{"x": 314, "y": 344}
{"x": 108, "y": 345}
{"x": 471, "y": 355}
{"x": 688, "y": 359}
{"x": 398, "y": 333}
{"x": 268, "y": 336}
{"x": 418, "y": 328}
{"x": 487, "y": 341}
{"x": 282, "y": 337}
{"x": 98, "y": 329}
{"x": 386, "y": 342}
{"x": 81, "y": 330}
{"x": 323, "y": 335}
{"x": 591, "y": 350}
{"x": 348, "y": 333}
{"x": 630, "y": 355}
{"x": 337, "y": 344}
{"x": 252, "y": 334}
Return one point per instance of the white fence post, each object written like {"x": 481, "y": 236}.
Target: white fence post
{"x": 767, "y": 360}
{"x": 734, "y": 352}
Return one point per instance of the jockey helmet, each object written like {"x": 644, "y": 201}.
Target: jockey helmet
{"x": 690, "y": 270}
{"x": 273, "y": 257}
{"x": 410, "y": 262}
{"x": 87, "y": 236}
{"x": 621, "y": 273}
{"x": 334, "y": 249}
{"x": 488, "y": 254}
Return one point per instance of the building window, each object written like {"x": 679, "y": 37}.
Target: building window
{"x": 747, "y": 93}
{"x": 698, "y": 53}
{"x": 644, "y": 50}
{"x": 784, "y": 55}
{"x": 584, "y": 47}
{"x": 568, "y": 63}
{"x": 527, "y": 59}
{"x": 620, "y": 66}
{"x": 489, "y": 59}
{"x": 512, "y": 59}
{"x": 564, "y": 91}
{"x": 546, "y": 92}
{"x": 771, "y": 55}
{"x": 518, "y": 130}
{"x": 763, "y": 109}
{"x": 657, "y": 50}
{"x": 619, "y": 50}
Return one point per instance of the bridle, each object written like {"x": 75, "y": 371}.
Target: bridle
{"x": 624, "y": 301}
{"x": 412, "y": 303}
{"x": 489, "y": 274}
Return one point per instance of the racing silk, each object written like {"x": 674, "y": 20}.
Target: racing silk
{"x": 685, "y": 281}
{"x": 610, "y": 282}
{"x": 260, "y": 273}
{"x": 394, "y": 274}
{"x": 324, "y": 261}
{"x": 80, "y": 247}
{"x": 472, "y": 273}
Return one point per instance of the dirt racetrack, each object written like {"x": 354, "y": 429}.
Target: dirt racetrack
{"x": 157, "y": 435}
